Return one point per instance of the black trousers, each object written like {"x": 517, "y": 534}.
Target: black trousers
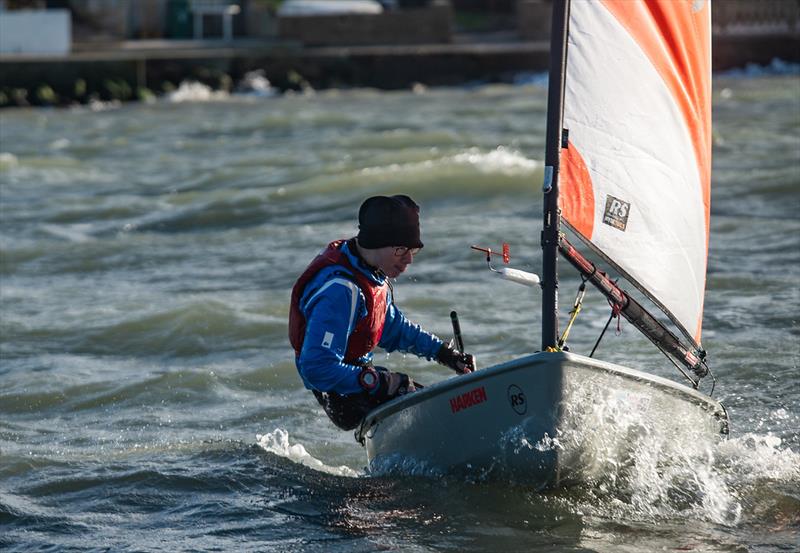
{"x": 346, "y": 411}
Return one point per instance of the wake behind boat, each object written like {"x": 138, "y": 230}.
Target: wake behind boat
{"x": 628, "y": 167}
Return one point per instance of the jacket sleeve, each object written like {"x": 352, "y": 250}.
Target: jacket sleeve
{"x": 331, "y": 311}
{"x": 401, "y": 334}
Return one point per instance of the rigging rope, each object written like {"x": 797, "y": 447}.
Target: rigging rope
{"x": 576, "y": 308}
{"x": 614, "y": 313}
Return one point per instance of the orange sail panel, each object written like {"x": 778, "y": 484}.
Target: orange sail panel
{"x": 635, "y": 178}
{"x": 577, "y": 206}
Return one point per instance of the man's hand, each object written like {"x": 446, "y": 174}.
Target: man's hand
{"x": 383, "y": 384}
{"x": 460, "y": 362}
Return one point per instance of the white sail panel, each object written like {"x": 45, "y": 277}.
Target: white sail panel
{"x": 634, "y": 181}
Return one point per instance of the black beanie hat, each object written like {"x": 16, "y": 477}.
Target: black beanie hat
{"x": 388, "y": 221}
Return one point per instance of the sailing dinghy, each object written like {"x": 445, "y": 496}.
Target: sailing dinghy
{"x": 628, "y": 170}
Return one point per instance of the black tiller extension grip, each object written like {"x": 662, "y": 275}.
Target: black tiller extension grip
{"x": 457, "y": 331}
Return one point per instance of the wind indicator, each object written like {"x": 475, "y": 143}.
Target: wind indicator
{"x": 508, "y": 273}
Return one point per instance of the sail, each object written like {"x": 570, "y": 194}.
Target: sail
{"x": 635, "y": 176}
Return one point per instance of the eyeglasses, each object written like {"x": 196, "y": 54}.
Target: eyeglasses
{"x": 400, "y": 251}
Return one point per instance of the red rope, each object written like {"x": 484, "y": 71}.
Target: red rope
{"x": 615, "y": 311}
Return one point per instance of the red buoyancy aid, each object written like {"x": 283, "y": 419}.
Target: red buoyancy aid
{"x": 367, "y": 331}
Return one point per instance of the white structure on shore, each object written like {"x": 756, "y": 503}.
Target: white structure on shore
{"x": 35, "y": 31}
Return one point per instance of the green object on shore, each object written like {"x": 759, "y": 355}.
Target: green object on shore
{"x": 20, "y": 96}
{"x": 118, "y": 89}
{"x": 46, "y": 95}
{"x": 144, "y": 94}
{"x": 79, "y": 90}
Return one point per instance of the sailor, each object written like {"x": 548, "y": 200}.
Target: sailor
{"x": 342, "y": 307}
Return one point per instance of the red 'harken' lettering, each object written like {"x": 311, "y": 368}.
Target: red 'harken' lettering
{"x": 468, "y": 399}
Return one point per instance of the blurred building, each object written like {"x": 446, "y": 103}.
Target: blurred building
{"x": 400, "y": 21}
{"x": 27, "y": 27}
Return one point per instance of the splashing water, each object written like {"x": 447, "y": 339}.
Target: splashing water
{"x": 277, "y": 442}
{"x": 190, "y": 91}
{"x": 642, "y": 457}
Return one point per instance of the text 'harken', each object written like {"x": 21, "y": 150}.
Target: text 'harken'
{"x": 468, "y": 399}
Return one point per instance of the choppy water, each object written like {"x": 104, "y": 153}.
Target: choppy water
{"x": 148, "y": 398}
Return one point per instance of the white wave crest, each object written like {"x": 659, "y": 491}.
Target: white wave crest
{"x": 8, "y": 160}
{"x": 97, "y": 105}
{"x": 192, "y": 91}
{"x": 77, "y": 233}
{"x": 277, "y": 442}
{"x": 255, "y": 83}
{"x": 499, "y": 160}
{"x": 752, "y": 458}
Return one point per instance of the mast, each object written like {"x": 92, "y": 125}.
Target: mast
{"x": 551, "y": 227}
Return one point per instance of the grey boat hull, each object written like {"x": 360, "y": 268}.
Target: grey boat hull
{"x": 534, "y": 419}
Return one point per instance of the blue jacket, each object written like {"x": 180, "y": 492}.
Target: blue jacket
{"x": 331, "y": 313}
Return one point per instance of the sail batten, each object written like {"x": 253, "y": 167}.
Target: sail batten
{"x": 635, "y": 177}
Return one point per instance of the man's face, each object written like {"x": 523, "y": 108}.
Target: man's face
{"x": 393, "y": 260}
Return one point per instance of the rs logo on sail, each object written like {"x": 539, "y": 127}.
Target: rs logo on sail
{"x": 616, "y": 213}
{"x": 468, "y": 399}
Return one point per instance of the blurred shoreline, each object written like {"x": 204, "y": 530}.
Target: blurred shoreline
{"x": 144, "y": 69}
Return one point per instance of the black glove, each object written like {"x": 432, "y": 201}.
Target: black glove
{"x": 383, "y": 384}
{"x": 462, "y": 363}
